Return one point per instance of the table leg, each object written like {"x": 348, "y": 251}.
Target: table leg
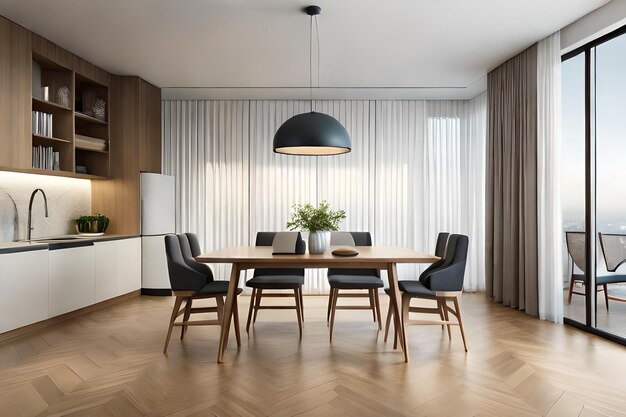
{"x": 228, "y": 311}
{"x": 396, "y": 300}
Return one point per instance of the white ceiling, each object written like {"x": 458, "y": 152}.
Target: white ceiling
{"x": 408, "y": 45}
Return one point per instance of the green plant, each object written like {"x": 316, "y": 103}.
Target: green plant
{"x": 93, "y": 223}
{"x": 315, "y": 219}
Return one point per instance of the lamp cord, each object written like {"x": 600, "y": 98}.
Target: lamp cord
{"x": 311, "y": 62}
{"x": 317, "y": 33}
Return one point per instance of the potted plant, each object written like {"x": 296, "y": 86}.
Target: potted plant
{"x": 92, "y": 224}
{"x": 318, "y": 221}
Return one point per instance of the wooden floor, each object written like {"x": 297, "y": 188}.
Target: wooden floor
{"x": 612, "y": 321}
{"x": 109, "y": 363}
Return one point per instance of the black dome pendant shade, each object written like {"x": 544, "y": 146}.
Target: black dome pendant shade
{"x": 312, "y": 133}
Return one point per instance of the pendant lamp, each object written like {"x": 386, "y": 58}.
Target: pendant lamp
{"x": 312, "y": 133}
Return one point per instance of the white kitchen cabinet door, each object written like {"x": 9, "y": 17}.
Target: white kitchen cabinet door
{"x": 72, "y": 279}
{"x": 128, "y": 265}
{"x": 154, "y": 263}
{"x": 23, "y": 288}
{"x": 106, "y": 270}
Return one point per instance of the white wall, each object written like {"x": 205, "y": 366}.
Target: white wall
{"x": 597, "y": 23}
{"x": 68, "y": 198}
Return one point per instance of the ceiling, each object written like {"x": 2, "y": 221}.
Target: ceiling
{"x": 242, "y": 46}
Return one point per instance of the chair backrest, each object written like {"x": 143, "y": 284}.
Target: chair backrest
{"x": 358, "y": 239}
{"x": 614, "y": 250}
{"x": 185, "y": 248}
{"x": 440, "y": 251}
{"x": 449, "y": 276}
{"x": 182, "y": 276}
{"x": 194, "y": 244}
{"x": 576, "y": 248}
{"x": 342, "y": 239}
{"x": 266, "y": 239}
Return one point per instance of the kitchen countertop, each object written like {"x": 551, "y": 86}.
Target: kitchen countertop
{"x": 57, "y": 242}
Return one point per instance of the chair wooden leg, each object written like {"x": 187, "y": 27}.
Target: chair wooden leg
{"x": 406, "y": 302}
{"x": 441, "y": 314}
{"x": 252, "y": 301}
{"x": 177, "y": 304}
{"x": 377, "y": 305}
{"x": 332, "y": 312}
{"x": 388, "y": 322}
{"x": 606, "y": 296}
{"x": 372, "y": 304}
{"x": 446, "y": 316}
{"x": 183, "y": 329}
{"x": 571, "y": 289}
{"x": 236, "y": 319}
{"x": 331, "y": 298}
{"x": 220, "y": 309}
{"x": 457, "y": 307}
{"x": 301, "y": 304}
{"x": 298, "y": 310}
{"x": 257, "y": 303}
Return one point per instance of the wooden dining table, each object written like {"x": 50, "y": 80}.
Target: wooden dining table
{"x": 369, "y": 257}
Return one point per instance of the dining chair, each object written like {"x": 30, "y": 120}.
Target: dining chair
{"x": 442, "y": 283}
{"x": 344, "y": 281}
{"x": 265, "y": 279}
{"x": 191, "y": 280}
{"x": 575, "y": 242}
{"x": 614, "y": 253}
{"x": 440, "y": 251}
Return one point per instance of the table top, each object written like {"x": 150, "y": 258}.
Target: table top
{"x": 367, "y": 254}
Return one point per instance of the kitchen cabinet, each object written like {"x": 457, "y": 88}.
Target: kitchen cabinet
{"x": 128, "y": 265}
{"x": 36, "y": 285}
{"x": 23, "y": 288}
{"x": 72, "y": 279}
{"x": 106, "y": 270}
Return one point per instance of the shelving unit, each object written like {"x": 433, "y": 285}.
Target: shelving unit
{"x": 71, "y": 120}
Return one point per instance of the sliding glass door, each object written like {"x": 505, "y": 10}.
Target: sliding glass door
{"x": 573, "y": 186}
{"x": 594, "y": 185}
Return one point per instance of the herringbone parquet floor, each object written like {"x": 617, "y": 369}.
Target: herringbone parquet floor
{"x": 109, "y": 363}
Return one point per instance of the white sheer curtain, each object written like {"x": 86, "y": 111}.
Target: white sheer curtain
{"x": 417, "y": 168}
{"x": 548, "y": 198}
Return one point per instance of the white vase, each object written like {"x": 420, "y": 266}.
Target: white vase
{"x": 319, "y": 242}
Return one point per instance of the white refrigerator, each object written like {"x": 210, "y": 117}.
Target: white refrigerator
{"x": 158, "y": 218}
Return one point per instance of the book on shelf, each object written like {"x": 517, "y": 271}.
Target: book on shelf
{"x": 45, "y": 157}
{"x": 42, "y": 123}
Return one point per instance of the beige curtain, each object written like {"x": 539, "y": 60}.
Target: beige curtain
{"x": 511, "y": 212}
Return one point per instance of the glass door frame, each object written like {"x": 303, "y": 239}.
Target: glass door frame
{"x": 590, "y": 186}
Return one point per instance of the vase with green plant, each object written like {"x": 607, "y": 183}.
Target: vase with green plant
{"x": 318, "y": 221}
{"x": 92, "y": 224}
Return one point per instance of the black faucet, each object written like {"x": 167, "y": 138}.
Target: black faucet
{"x": 30, "y": 210}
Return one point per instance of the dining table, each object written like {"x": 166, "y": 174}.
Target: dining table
{"x": 383, "y": 258}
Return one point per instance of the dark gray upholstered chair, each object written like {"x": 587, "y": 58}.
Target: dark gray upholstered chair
{"x": 191, "y": 280}
{"x": 442, "y": 283}
{"x": 343, "y": 281}
{"x": 274, "y": 279}
{"x": 440, "y": 251}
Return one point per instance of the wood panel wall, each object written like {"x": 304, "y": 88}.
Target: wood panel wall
{"x": 135, "y": 147}
{"x": 15, "y": 95}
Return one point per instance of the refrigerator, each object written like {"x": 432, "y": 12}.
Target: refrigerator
{"x": 158, "y": 218}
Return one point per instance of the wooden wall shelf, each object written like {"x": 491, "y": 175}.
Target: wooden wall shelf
{"x": 48, "y": 106}
{"x": 47, "y": 138}
{"x": 90, "y": 119}
{"x": 53, "y": 173}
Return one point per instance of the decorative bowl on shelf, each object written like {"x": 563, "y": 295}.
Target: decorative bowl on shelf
{"x": 93, "y": 224}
